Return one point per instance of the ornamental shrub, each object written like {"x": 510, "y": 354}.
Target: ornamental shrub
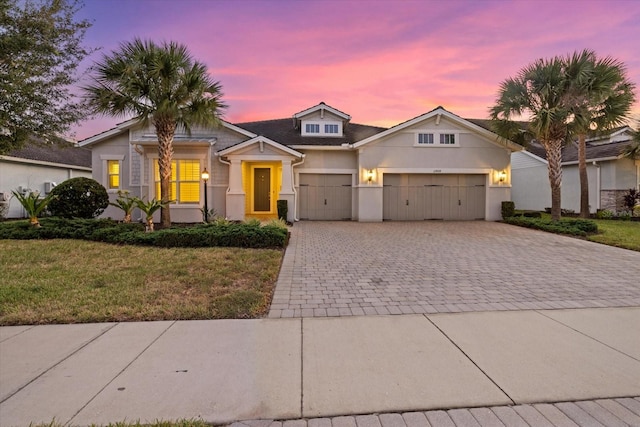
{"x": 79, "y": 198}
{"x": 573, "y": 227}
{"x": 508, "y": 209}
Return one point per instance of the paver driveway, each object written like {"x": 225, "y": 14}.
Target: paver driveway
{"x": 350, "y": 268}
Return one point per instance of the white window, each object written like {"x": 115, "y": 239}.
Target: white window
{"x": 330, "y": 128}
{"x": 312, "y": 128}
{"x": 447, "y": 138}
{"x": 425, "y": 138}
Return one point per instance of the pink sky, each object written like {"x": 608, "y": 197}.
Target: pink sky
{"x": 382, "y": 61}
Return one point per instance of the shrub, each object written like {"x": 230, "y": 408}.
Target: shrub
{"x": 508, "y": 209}
{"x": 573, "y": 227}
{"x": 604, "y": 214}
{"x": 248, "y": 235}
{"x": 531, "y": 214}
{"x": 631, "y": 198}
{"x": 283, "y": 209}
{"x": 33, "y": 204}
{"x": 78, "y": 198}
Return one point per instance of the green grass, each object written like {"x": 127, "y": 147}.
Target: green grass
{"x": 624, "y": 234}
{"x": 74, "y": 281}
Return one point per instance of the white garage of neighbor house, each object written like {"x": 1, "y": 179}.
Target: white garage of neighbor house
{"x": 39, "y": 168}
{"x": 610, "y": 173}
{"x": 434, "y": 166}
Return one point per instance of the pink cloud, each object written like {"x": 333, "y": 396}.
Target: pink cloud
{"x": 383, "y": 62}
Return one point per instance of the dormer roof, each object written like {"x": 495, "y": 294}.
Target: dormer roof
{"x": 322, "y": 107}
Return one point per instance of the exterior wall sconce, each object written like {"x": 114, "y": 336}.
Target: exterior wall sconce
{"x": 502, "y": 177}
{"x": 369, "y": 175}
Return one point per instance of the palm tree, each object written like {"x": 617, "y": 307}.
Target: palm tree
{"x": 538, "y": 91}
{"x": 161, "y": 84}
{"x": 600, "y": 97}
{"x": 633, "y": 150}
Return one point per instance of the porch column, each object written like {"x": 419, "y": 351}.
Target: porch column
{"x": 235, "y": 193}
{"x": 235, "y": 176}
{"x": 286, "y": 191}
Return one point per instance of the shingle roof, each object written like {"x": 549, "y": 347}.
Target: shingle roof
{"x": 282, "y": 131}
{"x": 63, "y": 154}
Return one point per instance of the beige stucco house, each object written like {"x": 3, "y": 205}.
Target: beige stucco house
{"x": 39, "y": 168}
{"x": 610, "y": 173}
{"x": 434, "y": 166}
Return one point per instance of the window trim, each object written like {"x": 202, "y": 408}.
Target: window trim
{"x": 105, "y": 158}
{"x": 437, "y": 135}
{"x": 177, "y": 157}
{"x": 322, "y": 124}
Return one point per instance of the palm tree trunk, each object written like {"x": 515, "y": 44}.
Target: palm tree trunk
{"x": 584, "y": 178}
{"x": 554, "y": 157}
{"x": 165, "y": 130}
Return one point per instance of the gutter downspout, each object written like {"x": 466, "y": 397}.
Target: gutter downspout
{"x": 295, "y": 193}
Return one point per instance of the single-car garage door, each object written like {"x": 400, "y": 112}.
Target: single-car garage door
{"x": 325, "y": 196}
{"x": 416, "y": 197}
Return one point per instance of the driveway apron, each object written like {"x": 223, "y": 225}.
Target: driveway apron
{"x": 350, "y": 268}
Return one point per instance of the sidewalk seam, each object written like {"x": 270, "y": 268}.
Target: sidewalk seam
{"x": 541, "y": 312}
{"x": 120, "y": 373}
{"x": 18, "y": 334}
{"x": 470, "y": 359}
{"x": 57, "y": 363}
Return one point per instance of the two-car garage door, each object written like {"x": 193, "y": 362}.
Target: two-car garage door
{"x": 325, "y": 196}
{"x": 415, "y": 197}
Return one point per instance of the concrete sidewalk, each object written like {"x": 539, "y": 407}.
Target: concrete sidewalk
{"x": 229, "y": 370}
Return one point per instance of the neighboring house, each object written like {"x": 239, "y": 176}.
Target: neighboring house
{"x": 39, "y": 167}
{"x": 434, "y": 166}
{"x": 610, "y": 174}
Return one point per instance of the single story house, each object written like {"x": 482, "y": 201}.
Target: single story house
{"x": 39, "y": 167}
{"x": 434, "y": 166}
{"x": 610, "y": 173}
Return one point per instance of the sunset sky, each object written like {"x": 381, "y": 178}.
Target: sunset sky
{"x": 380, "y": 61}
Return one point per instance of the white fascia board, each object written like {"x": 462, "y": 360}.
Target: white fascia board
{"x": 44, "y": 163}
{"x": 490, "y": 136}
{"x": 108, "y": 134}
{"x": 625, "y": 129}
{"x": 538, "y": 158}
{"x": 257, "y": 140}
{"x": 599, "y": 159}
{"x": 321, "y": 106}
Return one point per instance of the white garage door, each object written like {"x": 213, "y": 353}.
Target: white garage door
{"x": 416, "y": 197}
{"x": 325, "y": 196}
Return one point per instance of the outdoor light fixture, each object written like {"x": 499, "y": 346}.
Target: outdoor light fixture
{"x": 370, "y": 175}
{"x": 205, "y": 178}
{"x": 502, "y": 177}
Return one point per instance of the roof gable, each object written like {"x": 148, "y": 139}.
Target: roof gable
{"x": 261, "y": 141}
{"x": 438, "y": 113}
{"x": 142, "y": 136}
{"x": 322, "y": 107}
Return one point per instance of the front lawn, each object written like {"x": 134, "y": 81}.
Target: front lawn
{"x": 624, "y": 234}
{"x": 75, "y": 281}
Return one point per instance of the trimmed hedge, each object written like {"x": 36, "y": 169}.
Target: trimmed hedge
{"x": 573, "y": 227}
{"x": 243, "y": 235}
